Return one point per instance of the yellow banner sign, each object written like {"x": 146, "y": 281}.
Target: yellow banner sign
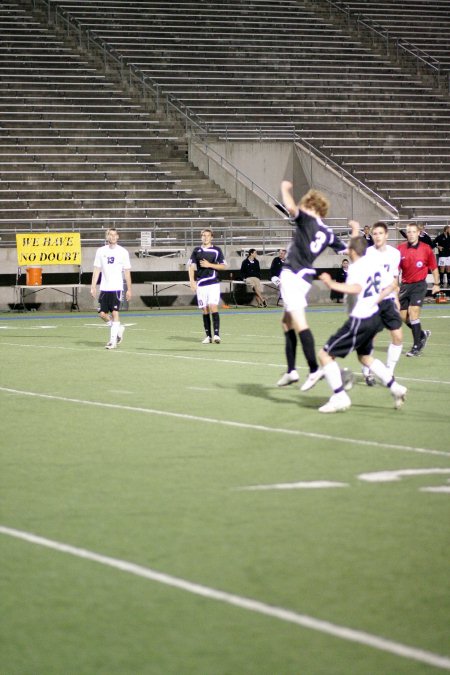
{"x": 49, "y": 248}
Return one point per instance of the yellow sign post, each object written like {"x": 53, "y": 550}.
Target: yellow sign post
{"x": 49, "y": 248}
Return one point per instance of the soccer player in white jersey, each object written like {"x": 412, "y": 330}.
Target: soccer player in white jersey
{"x": 113, "y": 262}
{"x": 389, "y": 308}
{"x": 363, "y": 280}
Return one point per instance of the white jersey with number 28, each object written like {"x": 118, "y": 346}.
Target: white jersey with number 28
{"x": 366, "y": 273}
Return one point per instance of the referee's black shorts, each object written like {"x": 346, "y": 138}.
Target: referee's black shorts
{"x": 412, "y": 294}
{"x": 355, "y": 335}
{"x": 389, "y": 314}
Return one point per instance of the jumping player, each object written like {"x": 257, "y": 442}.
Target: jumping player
{"x": 311, "y": 237}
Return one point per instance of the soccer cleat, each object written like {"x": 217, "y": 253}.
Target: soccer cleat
{"x": 336, "y": 403}
{"x": 216, "y": 339}
{"x": 414, "y": 351}
{"x": 370, "y": 380}
{"x": 111, "y": 345}
{"x": 348, "y": 379}
{"x": 120, "y": 333}
{"x": 312, "y": 380}
{"x": 288, "y": 378}
{"x": 424, "y": 339}
{"x": 206, "y": 341}
{"x": 399, "y": 393}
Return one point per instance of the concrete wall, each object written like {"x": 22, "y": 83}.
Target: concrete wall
{"x": 268, "y": 163}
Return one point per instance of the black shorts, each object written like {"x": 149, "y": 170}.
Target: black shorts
{"x": 389, "y": 314}
{"x": 109, "y": 301}
{"x": 355, "y": 335}
{"x": 412, "y": 294}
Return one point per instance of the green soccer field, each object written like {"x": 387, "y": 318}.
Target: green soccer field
{"x": 167, "y": 510}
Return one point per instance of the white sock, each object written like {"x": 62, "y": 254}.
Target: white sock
{"x": 333, "y": 375}
{"x": 114, "y": 330}
{"x": 381, "y": 371}
{"x": 393, "y": 356}
{"x": 365, "y": 371}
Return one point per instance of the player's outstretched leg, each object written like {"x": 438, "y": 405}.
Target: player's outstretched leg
{"x": 398, "y": 391}
{"x": 340, "y": 400}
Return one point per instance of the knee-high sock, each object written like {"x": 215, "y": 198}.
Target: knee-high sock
{"x": 393, "y": 356}
{"x": 416, "y": 331}
{"x": 207, "y": 324}
{"x": 382, "y": 372}
{"x": 216, "y": 322}
{"x": 114, "y": 330}
{"x": 333, "y": 376}
{"x": 290, "y": 339}
{"x": 309, "y": 349}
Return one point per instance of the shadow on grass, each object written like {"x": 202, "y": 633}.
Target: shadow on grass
{"x": 272, "y": 394}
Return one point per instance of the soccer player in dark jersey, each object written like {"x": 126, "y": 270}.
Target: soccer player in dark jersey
{"x": 416, "y": 259}
{"x": 207, "y": 259}
{"x": 310, "y": 238}
{"x": 442, "y": 241}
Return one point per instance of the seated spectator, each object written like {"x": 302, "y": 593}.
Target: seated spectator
{"x": 277, "y": 266}
{"x": 341, "y": 277}
{"x": 251, "y": 273}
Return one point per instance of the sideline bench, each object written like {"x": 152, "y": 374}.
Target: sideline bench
{"x": 25, "y": 291}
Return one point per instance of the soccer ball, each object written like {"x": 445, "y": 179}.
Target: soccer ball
{"x": 348, "y": 378}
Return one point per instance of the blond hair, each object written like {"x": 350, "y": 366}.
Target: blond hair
{"x": 314, "y": 200}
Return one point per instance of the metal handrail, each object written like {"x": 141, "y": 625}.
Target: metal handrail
{"x": 400, "y": 43}
{"x": 197, "y": 128}
{"x": 374, "y": 196}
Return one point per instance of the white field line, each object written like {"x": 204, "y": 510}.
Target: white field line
{"x": 226, "y": 423}
{"x": 191, "y": 358}
{"x": 303, "y": 620}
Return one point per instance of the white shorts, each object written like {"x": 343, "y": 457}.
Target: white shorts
{"x": 444, "y": 262}
{"x": 208, "y": 295}
{"x": 294, "y": 290}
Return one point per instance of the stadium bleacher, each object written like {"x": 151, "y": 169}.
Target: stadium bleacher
{"x": 279, "y": 70}
{"x": 73, "y": 145}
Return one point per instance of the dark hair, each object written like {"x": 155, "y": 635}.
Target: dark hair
{"x": 250, "y": 251}
{"x": 380, "y": 223}
{"x": 359, "y": 245}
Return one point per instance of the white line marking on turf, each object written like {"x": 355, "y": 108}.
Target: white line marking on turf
{"x": 259, "y": 364}
{"x": 301, "y": 485}
{"x": 392, "y": 476}
{"x": 445, "y": 489}
{"x": 121, "y": 391}
{"x": 25, "y": 327}
{"x": 227, "y": 423}
{"x": 290, "y": 616}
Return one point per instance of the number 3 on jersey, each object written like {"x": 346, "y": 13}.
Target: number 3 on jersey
{"x": 372, "y": 284}
{"x": 318, "y": 242}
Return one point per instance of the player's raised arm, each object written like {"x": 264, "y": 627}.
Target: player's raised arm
{"x": 288, "y": 199}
